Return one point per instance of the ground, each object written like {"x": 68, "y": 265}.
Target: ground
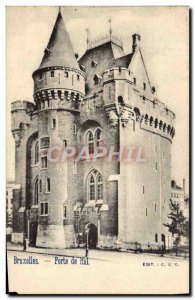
{"x": 107, "y": 272}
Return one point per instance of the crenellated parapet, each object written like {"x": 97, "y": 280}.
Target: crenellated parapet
{"x": 22, "y": 116}
{"x": 121, "y": 90}
{"x": 130, "y": 90}
{"x": 117, "y": 74}
{"x": 22, "y": 105}
{"x": 124, "y": 113}
{"x": 155, "y": 125}
{"x": 58, "y": 98}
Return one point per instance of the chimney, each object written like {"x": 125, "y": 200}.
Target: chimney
{"x": 136, "y": 41}
{"x": 184, "y": 183}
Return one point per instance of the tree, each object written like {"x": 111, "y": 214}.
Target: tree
{"x": 178, "y": 223}
{"x": 186, "y": 228}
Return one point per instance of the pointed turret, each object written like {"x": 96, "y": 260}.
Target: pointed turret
{"x": 59, "y": 75}
{"x": 59, "y": 51}
{"x": 59, "y": 88}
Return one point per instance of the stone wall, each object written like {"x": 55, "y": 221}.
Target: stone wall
{"x": 50, "y": 236}
{"x": 69, "y": 234}
{"x": 107, "y": 242}
{"x": 17, "y": 237}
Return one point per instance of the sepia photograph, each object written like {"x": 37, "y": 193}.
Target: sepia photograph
{"x": 97, "y": 129}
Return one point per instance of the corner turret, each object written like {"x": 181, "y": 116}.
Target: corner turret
{"x": 21, "y": 110}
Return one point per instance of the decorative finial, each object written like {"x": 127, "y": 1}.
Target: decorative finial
{"x": 87, "y": 40}
{"x": 59, "y": 9}
{"x": 110, "y": 30}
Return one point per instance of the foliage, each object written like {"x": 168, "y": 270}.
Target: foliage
{"x": 179, "y": 225}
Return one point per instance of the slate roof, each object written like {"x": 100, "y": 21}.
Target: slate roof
{"x": 124, "y": 61}
{"x": 59, "y": 51}
{"x": 107, "y": 55}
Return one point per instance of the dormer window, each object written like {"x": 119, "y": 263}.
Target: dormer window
{"x": 78, "y": 77}
{"x": 82, "y": 67}
{"x": 52, "y": 73}
{"x": 134, "y": 80}
{"x": 97, "y": 79}
{"x": 94, "y": 63}
{"x": 66, "y": 74}
{"x": 47, "y": 51}
{"x": 144, "y": 86}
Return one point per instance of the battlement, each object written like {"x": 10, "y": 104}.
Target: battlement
{"x": 117, "y": 73}
{"x": 129, "y": 92}
{"x": 22, "y": 105}
{"x": 57, "y": 98}
{"x": 22, "y": 117}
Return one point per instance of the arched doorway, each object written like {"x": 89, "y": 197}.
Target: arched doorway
{"x": 92, "y": 235}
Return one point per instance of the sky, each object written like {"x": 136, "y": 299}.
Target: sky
{"x": 164, "y": 44}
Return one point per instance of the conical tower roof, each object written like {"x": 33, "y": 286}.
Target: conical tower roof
{"x": 59, "y": 51}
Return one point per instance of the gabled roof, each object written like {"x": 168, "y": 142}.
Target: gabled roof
{"x": 59, "y": 51}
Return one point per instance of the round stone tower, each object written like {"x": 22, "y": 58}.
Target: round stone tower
{"x": 58, "y": 89}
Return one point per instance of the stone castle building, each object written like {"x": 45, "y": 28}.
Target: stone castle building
{"x": 103, "y": 98}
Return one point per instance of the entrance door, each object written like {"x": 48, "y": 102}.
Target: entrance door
{"x": 33, "y": 234}
{"x": 92, "y": 236}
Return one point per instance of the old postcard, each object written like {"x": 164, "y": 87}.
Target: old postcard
{"x": 97, "y": 197}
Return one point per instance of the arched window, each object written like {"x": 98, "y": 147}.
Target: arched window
{"x": 40, "y": 185}
{"x": 36, "y": 153}
{"x": 95, "y": 186}
{"x": 36, "y": 192}
{"x": 160, "y": 124}
{"x": 94, "y": 139}
{"x": 168, "y": 128}
{"x": 90, "y": 142}
{"x": 146, "y": 119}
{"x": 98, "y": 136}
{"x": 99, "y": 187}
{"x": 92, "y": 188}
{"x": 137, "y": 113}
{"x": 48, "y": 185}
